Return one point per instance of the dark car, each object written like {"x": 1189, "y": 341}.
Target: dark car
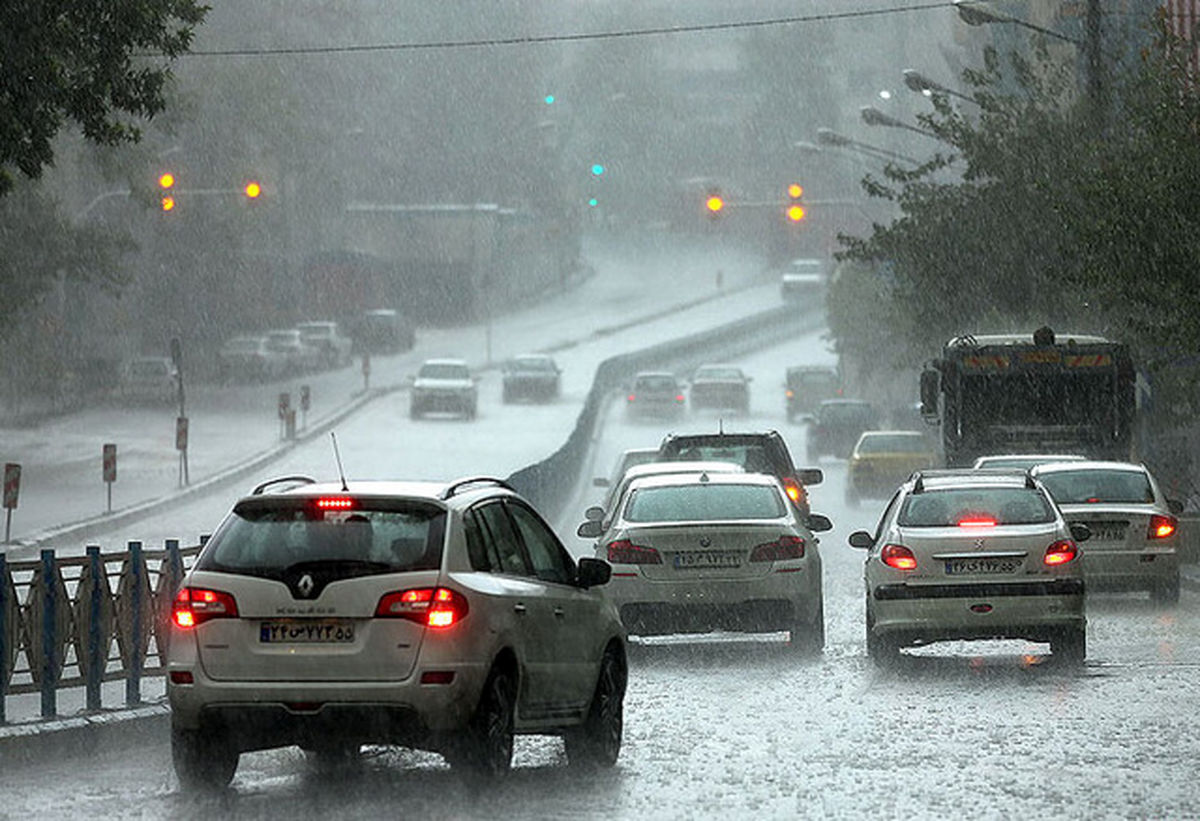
{"x": 837, "y": 426}
{"x": 806, "y": 387}
{"x": 757, "y": 452}
{"x": 655, "y": 393}
{"x": 720, "y": 386}
{"x": 535, "y": 377}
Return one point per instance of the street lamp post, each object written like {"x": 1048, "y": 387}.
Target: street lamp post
{"x": 873, "y": 116}
{"x": 829, "y": 137}
{"x": 921, "y": 84}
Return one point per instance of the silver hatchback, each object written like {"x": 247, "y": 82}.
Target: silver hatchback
{"x": 973, "y": 554}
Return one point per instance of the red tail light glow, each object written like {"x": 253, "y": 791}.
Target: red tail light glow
{"x": 977, "y": 521}
{"x": 1061, "y": 552}
{"x": 431, "y": 606}
{"x": 784, "y": 548}
{"x": 898, "y": 556}
{"x": 335, "y": 503}
{"x": 1161, "y": 526}
{"x": 679, "y": 397}
{"x": 624, "y": 551}
{"x": 194, "y": 606}
{"x": 631, "y": 397}
{"x": 790, "y": 394}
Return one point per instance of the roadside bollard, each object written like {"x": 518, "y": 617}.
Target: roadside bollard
{"x": 50, "y": 605}
{"x": 133, "y": 677}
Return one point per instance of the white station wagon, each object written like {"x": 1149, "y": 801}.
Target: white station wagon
{"x": 434, "y": 616}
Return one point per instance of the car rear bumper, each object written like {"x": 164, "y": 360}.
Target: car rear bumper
{"x": 773, "y": 602}
{"x": 1034, "y": 610}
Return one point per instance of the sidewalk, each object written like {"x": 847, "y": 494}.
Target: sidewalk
{"x": 61, "y": 464}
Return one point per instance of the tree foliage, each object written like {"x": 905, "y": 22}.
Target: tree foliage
{"x": 1042, "y": 207}
{"x": 100, "y": 65}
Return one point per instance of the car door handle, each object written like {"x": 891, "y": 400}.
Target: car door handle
{"x": 558, "y": 611}
{"x": 519, "y": 609}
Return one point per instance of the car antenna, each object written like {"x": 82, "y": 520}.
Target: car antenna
{"x": 337, "y": 455}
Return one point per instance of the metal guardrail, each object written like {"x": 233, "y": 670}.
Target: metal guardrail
{"x": 61, "y": 617}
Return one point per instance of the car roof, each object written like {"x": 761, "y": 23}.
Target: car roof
{"x": 655, "y": 374}
{"x": 946, "y": 479}
{"x": 424, "y": 490}
{"x": 871, "y": 434}
{"x": 717, "y": 365}
{"x": 444, "y": 361}
{"x": 683, "y": 479}
{"x": 854, "y": 402}
{"x": 662, "y": 468}
{"x": 1087, "y": 464}
{"x": 537, "y": 357}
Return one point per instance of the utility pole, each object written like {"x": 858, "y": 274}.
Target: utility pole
{"x": 1093, "y": 54}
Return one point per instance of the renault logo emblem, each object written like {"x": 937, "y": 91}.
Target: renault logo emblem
{"x": 305, "y": 585}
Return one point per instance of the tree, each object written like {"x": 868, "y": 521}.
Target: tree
{"x": 99, "y": 65}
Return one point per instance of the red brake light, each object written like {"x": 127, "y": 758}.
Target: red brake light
{"x": 1060, "y": 552}
{"x": 973, "y": 521}
{"x": 1161, "y": 526}
{"x": 335, "y": 503}
{"x": 679, "y": 397}
{"x": 624, "y": 551}
{"x": 631, "y": 397}
{"x": 430, "y": 606}
{"x": 790, "y": 393}
{"x": 898, "y": 556}
{"x": 194, "y": 606}
{"x": 784, "y": 548}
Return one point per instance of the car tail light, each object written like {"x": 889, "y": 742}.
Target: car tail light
{"x": 194, "y": 606}
{"x": 335, "y": 503}
{"x": 783, "y": 548}
{"x": 624, "y": 551}
{"x": 429, "y": 606}
{"x": 898, "y": 556}
{"x": 631, "y": 397}
{"x": 1161, "y": 526}
{"x": 790, "y": 394}
{"x": 1061, "y": 552}
{"x": 794, "y": 491}
{"x": 679, "y": 397}
{"x": 977, "y": 521}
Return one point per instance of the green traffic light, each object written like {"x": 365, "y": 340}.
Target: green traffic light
{"x": 593, "y": 202}
{"x": 597, "y": 170}
{"x": 549, "y": 99}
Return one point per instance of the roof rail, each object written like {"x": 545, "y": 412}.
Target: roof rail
{"x": 919, "y": 483}
{"x": 297, "y": 480}
{"x": 458, "y": 484}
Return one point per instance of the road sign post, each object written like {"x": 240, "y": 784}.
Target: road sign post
{"x": 12, "y": 489}
{"x": 181, "y": 445}
{"x": 305, "y": 404}
{"x": 177, "y": 359}
{"x": 366, "y": 372}
{"x": 284, "y": 407}
{"x": 109, "y": 460}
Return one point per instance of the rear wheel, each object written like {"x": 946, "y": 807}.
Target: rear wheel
{"x": 808, "y": 638}
{"x": 1166, "y": 591}
{"x": 1070, "y": 644}
{"x": 598, "y": 742}
{"x": 485, "y": 750}
{"x": 203, "y": 761}
{"x": 883, "y": 651}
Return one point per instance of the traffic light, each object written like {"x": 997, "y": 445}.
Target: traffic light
{"x": 795, "y": 209}
{"x": 714, "y": 204}
{"x": 597, "y": 170}
{"x": 166, "y": 181}
{"x": 252, "y": 190}
{"x": 593, "y": 202}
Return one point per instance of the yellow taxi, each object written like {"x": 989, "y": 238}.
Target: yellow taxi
{"x": 883, "y": 459}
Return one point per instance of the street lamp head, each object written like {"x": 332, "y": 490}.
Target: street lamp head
{"x": 873, "y": 116}
{"x": 826, "y": 136}
{"x": 919, "y": 83}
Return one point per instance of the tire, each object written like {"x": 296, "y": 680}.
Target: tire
{"x": 1070, "y": 645}
{"x": 597, "y": 743}
{"x": 809, "y": 638}
{"x": 883, "y": 651}
{"x": 1166, "y": 592}
{"x": 203, "y": 761}
{"x": 486, "y": 747}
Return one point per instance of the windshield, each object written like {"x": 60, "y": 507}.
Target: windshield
{"x": 703, "y": 502}
{"x": 656, "y": 384}
{"x": 815, "y": 381}
{"x": 1073, "y": 487}
{"x": 1032, "y": 398}
{"x": 266, "y": 540}
{"x": 976, "y": 506}
{"x": 440, "y": 370}
{"x": 535, "y": 365}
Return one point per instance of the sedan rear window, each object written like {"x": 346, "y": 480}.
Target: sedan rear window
{"x": 444, "y": 371}
{"x": 704, "y": 503}
{"x": 268, "y": 539}
{"x": 1073, "y": 487}
{"x": 976, "y": 506}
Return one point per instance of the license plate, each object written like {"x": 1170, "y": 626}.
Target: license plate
{"x": 981, "y": 566}
{"x": 700, "y": 561}
{"x": 306, "y": 632}
{"x": 1108, "y": 531}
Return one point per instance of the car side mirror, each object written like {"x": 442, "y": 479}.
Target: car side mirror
{"x": 600, "y": 481}
{"x": 593, "y": 572}
{"x": 1080, "y": 532}
{"x": 590, "y": 529}
{"x": 861, "y": 539}
{"x": 818, "y": 523}
{"x": 810, "y": 476}
{"x": 595, "y": 513}
{"x": 1175, "y": 506}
